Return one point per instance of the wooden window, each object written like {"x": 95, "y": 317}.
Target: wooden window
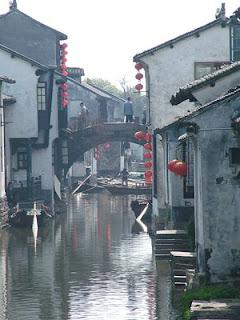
{"x": 184, "y": 152}
{"x": 188, "y": 180}
{"x": 41, "y": 95}
{"x": 234, "y": 156}
{"x": 22, "y": 160}
{"x": 64, "y": 152}
{"x": 235, "y": 43}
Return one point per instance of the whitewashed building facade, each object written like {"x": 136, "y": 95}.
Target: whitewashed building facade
{"x": 168, "y": 67}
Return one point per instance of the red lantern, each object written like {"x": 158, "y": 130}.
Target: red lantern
{"x": 148, "y": 165}
{"x": 97, "y": 153}
{"x": 63, "y": 46}
{"x": 148, "y": 137}
{"x": 139, "y": 76}
{"x": 180, "y": 168}
{"x": 148, "y": 181}
{"x": 106, "y": 146}
{"x": 139, "y": 87}
{"x": 64, "y": 103}
{"x": 171, "y": 164}
{"x": 139, "y": 135}
{"x": 147, "y": 155}
{"x": 63, "y": 67}
{"x": 148, "y": 146}
{"x": 64, "y": 60}
{"x": 65, "y": 52}
{"x": 65, "y": 73}
{"x": 64, "y": 86}
{"x": 65, "y": 93}
{"x": 148, "y": 174}
{"x": 138, "y": 66}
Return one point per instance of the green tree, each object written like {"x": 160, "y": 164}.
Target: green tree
{"x": 105, "y": 85}
{"x": 138, "y": 99}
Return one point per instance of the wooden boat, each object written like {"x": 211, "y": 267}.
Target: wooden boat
{"x": 22, "y": 215}
{"x": 142, "y": 209}
{"x": 90, "y": 188}
{"x": 130, "y": 189}
{"x": 86, "y": 186}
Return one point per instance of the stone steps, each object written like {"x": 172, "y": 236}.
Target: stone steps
{"x": 169, "y": 240}
{"x": 181, "y": 262}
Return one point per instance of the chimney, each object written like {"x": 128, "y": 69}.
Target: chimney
{"x": 13, "y": 4}
{"x": 221, "y": 13}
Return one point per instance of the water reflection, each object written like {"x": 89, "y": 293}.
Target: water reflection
{"x": 91, "y": 263}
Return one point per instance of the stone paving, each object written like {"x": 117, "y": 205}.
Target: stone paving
{"x": 225, "y": 309}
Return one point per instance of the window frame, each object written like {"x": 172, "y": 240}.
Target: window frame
{"x": 22, "y": 164}
{"x": 42, "y": 93}
{"x": 233, "y": 39}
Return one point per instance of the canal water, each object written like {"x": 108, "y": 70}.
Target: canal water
{"x": 92, "y": 263}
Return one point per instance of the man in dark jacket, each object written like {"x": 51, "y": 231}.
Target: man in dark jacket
{"x": 128, "y": 110}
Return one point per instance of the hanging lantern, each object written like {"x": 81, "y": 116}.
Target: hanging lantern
{"x": 64, "y": 86}
{"x": 148, "y": 174}
{"x": 97, "y": 153}
{"x": 64, "y": 60}
{"x": 106, "y": 146}
{"x": 148, "y": 146}
{"x": 65, "y": 73}
{"x": 138, "y": 66}
{"x": 65, "y": 103}
{"x": 139, "y": 87}
{"x": 148, "y": 137}
{"x": 148, "y": 181}
{"x": 65, "y": 52}
{"x": 139, "y": 135}
{"x": 148, "y": 165}
{"x": 139, "y": 76}
{"x": 171, "y": 164}
{"x": 147, "y": 155}
{"x": 63, "y": 46}
{"x": 63, "y": 67}
{"x": 180, "y": 168}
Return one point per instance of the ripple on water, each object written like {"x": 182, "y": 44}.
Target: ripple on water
{"x": 90, "y": 265}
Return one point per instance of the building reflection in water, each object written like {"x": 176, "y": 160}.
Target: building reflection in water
{"x": 3, "y": 275}
{"x": 91, "y": 263}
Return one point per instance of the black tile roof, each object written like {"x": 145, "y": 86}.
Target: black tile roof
{"x": 181, "y": 37}
{"x": 229, "y": 96}
{"x": 60, "y": 35}
{"x": 185, "y": 92}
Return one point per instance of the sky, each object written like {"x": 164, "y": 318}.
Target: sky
{"x": 104, "y": 35}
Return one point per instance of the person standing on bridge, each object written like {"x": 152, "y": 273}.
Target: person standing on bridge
{"x": 83, "y": 116}
{"x": 124, "y": 175}
{"x": 128, "y": 110}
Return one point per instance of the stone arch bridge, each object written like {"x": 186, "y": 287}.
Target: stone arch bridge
{"x": 85, "y": 139}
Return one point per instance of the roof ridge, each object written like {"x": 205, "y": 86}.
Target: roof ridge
{"x": 64, "y": 36}
{"x": 181, "y": 37}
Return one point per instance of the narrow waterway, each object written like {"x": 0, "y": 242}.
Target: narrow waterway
{"x": 92, "y": 263}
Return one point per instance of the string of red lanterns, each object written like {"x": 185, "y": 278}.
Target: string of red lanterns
{"x": 139, "y": 76}
{"x": 97, "y": 153}
{"x": 63, "y": 69}
{"x": 178, "y": 167}
{"x": 147, "y": 137}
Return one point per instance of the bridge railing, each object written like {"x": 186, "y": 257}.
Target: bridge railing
{"x": 77, "y": 123}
